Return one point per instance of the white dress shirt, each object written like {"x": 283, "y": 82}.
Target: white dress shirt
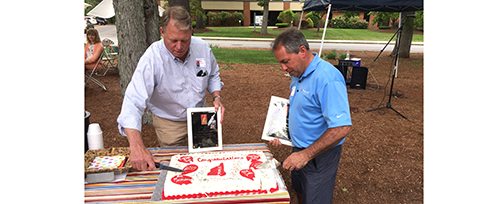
{"x": 167, "y": 86}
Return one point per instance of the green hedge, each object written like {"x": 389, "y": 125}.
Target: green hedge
{"x": 348, "y": 22}
{"x": 224, "y": 18}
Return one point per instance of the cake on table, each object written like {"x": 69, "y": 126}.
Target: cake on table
{"x": 224, "y": 174}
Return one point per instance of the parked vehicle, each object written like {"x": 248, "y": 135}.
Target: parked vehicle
{"x": 101, "y": 21}
{"x": 90, "y": 20}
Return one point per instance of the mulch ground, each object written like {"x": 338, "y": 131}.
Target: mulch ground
{"x": 382, "y": 159}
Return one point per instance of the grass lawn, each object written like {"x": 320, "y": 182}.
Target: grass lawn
{"x": 240, "y": 56}
{"x": 331, "y": 34}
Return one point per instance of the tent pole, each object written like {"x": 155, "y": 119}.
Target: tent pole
{"x": 300, "y": 20}
{"x": 325, "y": 29}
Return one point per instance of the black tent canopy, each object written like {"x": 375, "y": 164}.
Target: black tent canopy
{"x": 364, "y": 5}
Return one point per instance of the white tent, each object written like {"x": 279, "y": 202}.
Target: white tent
{"x": 105, "y": 10}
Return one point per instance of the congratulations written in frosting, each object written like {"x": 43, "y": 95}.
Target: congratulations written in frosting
{"x": 219, "y": 159}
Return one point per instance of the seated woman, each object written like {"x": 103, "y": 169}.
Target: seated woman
{"x": 93, "y": 48}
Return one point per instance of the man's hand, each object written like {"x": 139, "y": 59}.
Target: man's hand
{"x": 296, "y": 161}
{"x": 140, "y": 158}
{"x": 218, "y": 104}
{"x": 275, "y": 142}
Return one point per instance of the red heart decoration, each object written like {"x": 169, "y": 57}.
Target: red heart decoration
{"x": 253, "y": 157}
{"x": 185, "y": 159}
{"x": 190, "y": 168}
{"x": 181, "y": 179}
{"x": 247, "y": 173}
{"x": 217, "y": 171}
{"x": 255, "y": 164}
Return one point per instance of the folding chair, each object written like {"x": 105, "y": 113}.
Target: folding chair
{"x": 90, "y": 76}
{"x": 109, "y": 57}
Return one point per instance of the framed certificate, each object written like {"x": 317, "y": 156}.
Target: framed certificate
{"x": 204, "y": 129}
{"x": 276, "y": 125}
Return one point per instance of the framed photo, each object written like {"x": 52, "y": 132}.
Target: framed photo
{"x": 276, "y": 124}
{"x": 204, "y": 129}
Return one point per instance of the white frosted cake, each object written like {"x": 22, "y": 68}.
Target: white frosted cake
{"x": 221, "y": 174}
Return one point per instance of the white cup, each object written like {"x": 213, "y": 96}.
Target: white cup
{"x": 95, "y": 137}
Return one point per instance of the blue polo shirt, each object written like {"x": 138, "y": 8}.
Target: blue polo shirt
{"x": 318, "y": 101}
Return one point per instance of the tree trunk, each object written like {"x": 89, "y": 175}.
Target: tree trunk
{"x": 264, "y": 25}
{"x": 406, "y": 35}
{"x": 152, "y": 20}
{"x": 137, "y": 27}
{"x": 183, "y": 3}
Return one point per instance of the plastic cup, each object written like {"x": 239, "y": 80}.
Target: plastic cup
{"x": 95, "y": 137}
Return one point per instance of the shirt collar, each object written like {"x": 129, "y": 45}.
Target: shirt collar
{"x": 311, "y": 67}
{"x": 172, "y": 56}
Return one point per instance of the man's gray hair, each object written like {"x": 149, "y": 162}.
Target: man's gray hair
{"x": 291, "y": 39}
{"x": 179, "y": 14}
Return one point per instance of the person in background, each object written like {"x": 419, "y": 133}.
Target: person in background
{"x": 319, "y": 118}
{"x": 93, "y": 48}
{"x": 172, "y": 75}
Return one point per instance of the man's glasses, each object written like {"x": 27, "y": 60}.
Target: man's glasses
{"x": 202, "y": 73}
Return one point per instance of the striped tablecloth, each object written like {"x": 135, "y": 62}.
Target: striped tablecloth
{"x": 139, "y": 186}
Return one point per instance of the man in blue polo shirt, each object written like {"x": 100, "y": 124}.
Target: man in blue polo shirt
{"x": 319, "y": 117}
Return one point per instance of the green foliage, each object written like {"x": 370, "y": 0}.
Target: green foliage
{"x": 343, "y": 56}
{"x": 224, "y": 18}
{"x": 418, "y": 21}
{"x": 309, "y": 23}
{"x": 350, "y": 14}
{"x": 287, "y": 16}
{"x": 197, "y": 12}
{"x": 282, "y": 25}
{"x": 384, "y": 18}
{"x": 315, "y": 17}
{"x": 331, "y": 55}
{"x": 348, "y": 22}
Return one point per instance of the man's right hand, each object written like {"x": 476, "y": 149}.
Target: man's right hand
{"x": 140, "y": 158}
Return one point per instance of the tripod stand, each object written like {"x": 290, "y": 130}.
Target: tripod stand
{"x": 394, "y": 69}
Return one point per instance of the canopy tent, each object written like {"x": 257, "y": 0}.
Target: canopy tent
{"x": 360, "y": 5}
{"x": 105, "y": 10}
{"x": 365, "y": 5}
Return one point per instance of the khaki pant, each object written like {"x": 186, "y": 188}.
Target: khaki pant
{"x": 170, "y": 133}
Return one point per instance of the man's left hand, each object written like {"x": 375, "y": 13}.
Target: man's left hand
{"x": 295, "y": 161}
{"x": 218, "y": 104}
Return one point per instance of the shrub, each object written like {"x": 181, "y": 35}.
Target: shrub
{"x": 287, "y": 16}
{"x": 315, "y": 18}
{"x": 331, "y": 55}
{"x": 282, "y": 25}
{"x": 224, "y": 18}
{"x": 418, "y": 21}
{"x": 348, "y": 22}
{"x": 310, "y": 23}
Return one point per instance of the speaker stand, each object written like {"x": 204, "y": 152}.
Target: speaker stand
{"x": 395, "y": 67}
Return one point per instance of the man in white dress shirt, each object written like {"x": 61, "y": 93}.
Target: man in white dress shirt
{"x": 172, "y": 75}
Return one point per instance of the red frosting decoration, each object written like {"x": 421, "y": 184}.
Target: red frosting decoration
{"x": 247, "y": 173}
{"x": 186, "y": 159}
{"x": 255, "y": 164}
{"x": 253, "y": 157}
{"x": 217, "y": 171}
{"x": 181, "y": 179}
{"x": 272, "y": 190}
{"x": 190, "y": 168}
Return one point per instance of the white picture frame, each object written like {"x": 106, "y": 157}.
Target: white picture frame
{"x": 204, "y": 129}
{"x": 276, "y": 124}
